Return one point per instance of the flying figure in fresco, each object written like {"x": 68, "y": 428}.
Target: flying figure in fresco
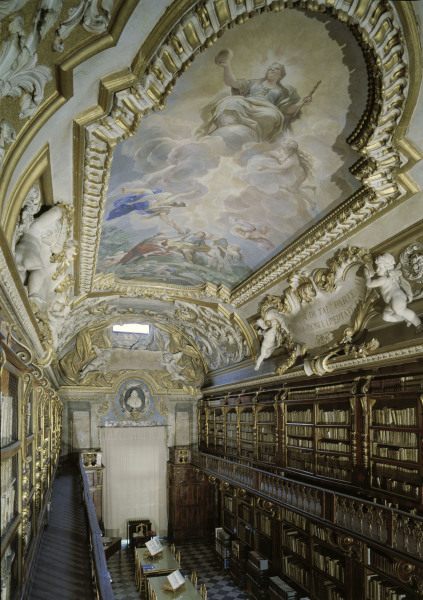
{"x": 286, "y": 171}
{"x": 248, "y": 231}
{"x": 258, "y": 110}
{"x": 145, "y": 202}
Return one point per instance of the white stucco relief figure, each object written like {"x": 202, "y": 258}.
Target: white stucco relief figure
{"x": 30, "y": 208}
{"x": 35, "y": 255}
{"x": 395, "y": 290}
{"x": 171, "y": 362}
{"x": 274, "y": 331}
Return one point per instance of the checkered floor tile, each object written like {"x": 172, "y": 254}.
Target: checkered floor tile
{"x": 198, "y": 557}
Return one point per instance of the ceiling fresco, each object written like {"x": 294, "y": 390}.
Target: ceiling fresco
{"x": 249, "y": 152}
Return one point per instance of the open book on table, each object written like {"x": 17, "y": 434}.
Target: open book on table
{"x": 176, "y": 579}
{"x": 154, "y": 546}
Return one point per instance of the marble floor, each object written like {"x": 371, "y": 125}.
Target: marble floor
{"x": 195, "y": 556}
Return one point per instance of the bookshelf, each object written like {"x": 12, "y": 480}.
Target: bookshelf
{"x": 267, "y": 428}
{"x": 247, "y": 433}
{"x": 312, "y": 559}
{"x": 263, "y": 535}
{"x": 364, "y": 433}
{"x": 232, "y": 427}
{"x": 30, "y": 444}
{"x": 395, "y": 446}
{"x": 335, "y": 504}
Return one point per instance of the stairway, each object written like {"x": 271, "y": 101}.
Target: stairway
{"x": 62, "y": 569}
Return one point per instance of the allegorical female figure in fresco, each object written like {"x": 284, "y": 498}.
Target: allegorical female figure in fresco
{"x": 256, "y": 111}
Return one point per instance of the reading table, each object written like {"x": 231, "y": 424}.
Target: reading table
{"x": 147, "y": 566}
{"x": 158, "y": 585}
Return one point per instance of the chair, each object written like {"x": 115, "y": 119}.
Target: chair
{"x": 203, "y": 591}
{"x": 178, "y": 557}
{"x": 194, "y": 578}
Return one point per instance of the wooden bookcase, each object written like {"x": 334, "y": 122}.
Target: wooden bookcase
{"x": 190, "y": 505}
{"x": 31, "y": 415}
{"x": 395, "y": 432}
{"x": 317, "y": 561}
{"x": 324, "y": 480}
{"x": 363, "y": 434}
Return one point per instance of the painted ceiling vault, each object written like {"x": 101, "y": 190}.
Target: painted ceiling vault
{"x": 249, "y": 151}
{"x": 171, "y": 162}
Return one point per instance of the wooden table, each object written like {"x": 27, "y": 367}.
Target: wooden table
{"x": 147, "y": 567}
{"x": 185, "y": 592}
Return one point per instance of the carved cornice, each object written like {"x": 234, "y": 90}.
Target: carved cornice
{"x": 109, "y": 283}
{"x": 378, "y": 359}
{"x": 377, "y": 28}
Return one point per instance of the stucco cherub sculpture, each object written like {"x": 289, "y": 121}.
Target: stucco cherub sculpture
{"x": 35, "y": 251}
{"x": 274, "y": 331}
{"x": 395, "y": 290}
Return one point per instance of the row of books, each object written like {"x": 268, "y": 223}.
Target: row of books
{"x": 396, "y": 438}
{"x": 300, "y": 416}
{"x": 300, "y": 430}
{"x": 300, "y": 442}
{"x": 334, "y": 433}
{"x": 228, "y": 503}
{"x": 335, "y": 461}
{"x": 390, "y": 416}
{"x": 329, "y": 564}
{"x": 266, "y": 437}
{"x": 393, "y": 453}
{"x": 295, "y": 571}
{"x": 246, "y": 417}
{"x": 400, "y": 487}
{"x": 302, "y": 461}
{"x": 291, "y": 539}
{"x": 244, "y": 512}
{"x": 332, "y": 592}
{"x": 336, "y": 416}
{"x": 335, "y": 446}
{"x": 6, "y": 429}
{"x": 394, "y": 472}
{"x": 377, "y": 589}
{"x": 383, "y": 563}
{"x": 334, "y": 472}
{"x": 266, "y": 455}
{"x": 295, "y": 519}
{"x": 265, "y": 524}
{"x": 320, "y": 532}
{"x": 265, "y": 416}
